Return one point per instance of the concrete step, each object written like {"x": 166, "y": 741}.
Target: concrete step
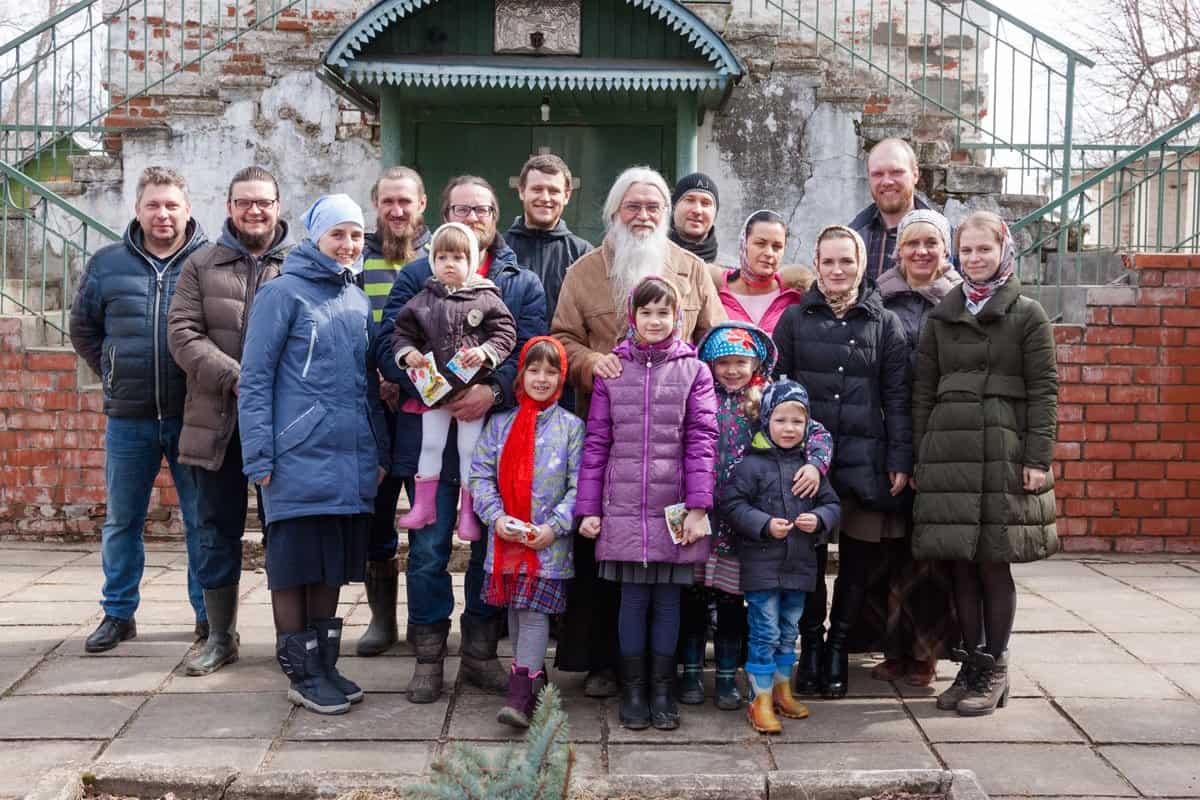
{"x": 1083, "y": 267}
{"x": 1066, "y": 303}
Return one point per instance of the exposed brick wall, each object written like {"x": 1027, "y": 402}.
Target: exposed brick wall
{"x": 1128, "y": 457}
{"x": 1128, "y": 470}
{"x": 52, "y": 449}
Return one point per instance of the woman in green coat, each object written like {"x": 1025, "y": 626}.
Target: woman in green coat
{"x": 984, "y": 418}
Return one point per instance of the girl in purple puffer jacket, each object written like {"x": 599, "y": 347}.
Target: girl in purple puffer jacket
{"x": 651, "y": 440}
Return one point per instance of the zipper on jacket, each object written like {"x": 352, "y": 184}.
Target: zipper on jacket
{"x": 112, "y": 365}
{"x": 645, "y": 461}
{"x": 312, "y": 342}
{"x": 295, "y": 422}
{"x": 158, "y": 280}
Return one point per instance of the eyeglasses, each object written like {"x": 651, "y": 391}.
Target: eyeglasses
{"x": 636, "y": 209}
{"x": 242, "y": 204}
{"x": 464, "y": 212}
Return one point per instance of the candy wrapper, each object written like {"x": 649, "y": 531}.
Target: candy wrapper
{"x": 456, "y": 366}
{"x": 675, "y": 515}
{"x": 432, "y": 385}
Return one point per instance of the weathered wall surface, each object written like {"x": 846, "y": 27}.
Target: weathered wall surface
{"x": 1127, "y": 461}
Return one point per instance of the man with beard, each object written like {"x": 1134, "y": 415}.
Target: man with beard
{"x": 205, "y": 327}
{"x": 590, "y": 320}
{"x": 400, "y": 238}
{"x": 892, "y": 174}
{"x": 470, "y": 200}
{"x": 119, "y": 328}
{"x": 695, "y": 203}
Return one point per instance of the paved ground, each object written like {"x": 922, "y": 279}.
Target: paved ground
{"x": 1106, "y": 693}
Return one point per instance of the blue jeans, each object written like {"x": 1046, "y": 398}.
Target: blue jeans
{"x": 774, "y": 627}
{"x": 221, "y": 520}
{"x": 134, "y": 450}
{"x": 384, "y": 539}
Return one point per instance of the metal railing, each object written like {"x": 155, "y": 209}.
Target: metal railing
{"x": 1147, "y": 199}
{"x": 96, "y": 67}
{"x": 942, "y": 55}
{"x": 46, "y": 243}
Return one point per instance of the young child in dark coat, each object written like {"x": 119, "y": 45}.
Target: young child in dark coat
{"x": 459, "y": 316}
{"x": 777, "y": 535}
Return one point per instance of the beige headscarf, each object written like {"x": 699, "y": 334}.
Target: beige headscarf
{"x": 940, "y": 224}
{"x": 841, "y": 302}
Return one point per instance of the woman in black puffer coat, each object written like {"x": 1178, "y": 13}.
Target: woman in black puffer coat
{"x": 851, "y": 354}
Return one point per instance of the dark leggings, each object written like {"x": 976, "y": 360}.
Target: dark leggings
{"x": 731, "y": 613}
{"x": 658, "y": 602}
{"x": 295, "y": 607}
{"x": 986, "y": 600}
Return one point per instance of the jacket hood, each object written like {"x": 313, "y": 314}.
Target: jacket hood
{"x": 519, "y": 228}
{"x": 306, "y": 261}
{"x": 194, "y": 237}
{"x": 473, "y": 286}
{"x": 676, "y": 348}
{"x": 283, "y": 240}
{"x": 710, "y": 347}
{"x": 892, "y": 283}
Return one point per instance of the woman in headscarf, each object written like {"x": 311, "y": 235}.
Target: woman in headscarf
{"x": 758, "y": 291}
{"x": 985, "y": 417}
{"x": 913, "y": 601}
{"x": 314, "y": 439}
{"x": 850, "y": 353}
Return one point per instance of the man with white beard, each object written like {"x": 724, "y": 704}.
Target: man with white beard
{"x": 590, "y": 320}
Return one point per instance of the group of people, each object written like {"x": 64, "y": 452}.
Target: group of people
{"x": 640, "y": 444}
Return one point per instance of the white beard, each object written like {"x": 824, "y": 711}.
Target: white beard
{"x": 634, "y": 258}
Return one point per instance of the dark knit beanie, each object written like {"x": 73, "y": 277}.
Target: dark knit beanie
{"x": 696, "y": 182}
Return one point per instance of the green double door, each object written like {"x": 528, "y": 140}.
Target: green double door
{"x": 596, "y": 154}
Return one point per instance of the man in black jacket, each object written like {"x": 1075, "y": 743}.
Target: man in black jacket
{"x": 119, "y": 327}
{"x": 539, "y": 237}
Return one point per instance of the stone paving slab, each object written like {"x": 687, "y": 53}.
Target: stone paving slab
{"x": 244, "y": 715}
{"x": 240, "y": 754}
{"x": 1022, "y": 720}
{"x": 23, "y": 764}
{"x": 1036, "y": 769}
{"x": 1158, "y": 771}
{"x": 65, "y": 717}
{"x": 1136, "y": 721}
{"x": 1096, "y": 710}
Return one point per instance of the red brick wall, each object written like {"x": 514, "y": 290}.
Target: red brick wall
{"x": 1128, "y": 457}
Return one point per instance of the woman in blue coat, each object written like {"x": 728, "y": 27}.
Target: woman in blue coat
{"x": 313, "y": 438}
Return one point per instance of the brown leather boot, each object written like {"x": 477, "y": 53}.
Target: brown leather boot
{"x": 989, "y": 690}
{"x": 761, "y": 714}
{"x": 890, "y": 669}
{"x": 921, "y": 673}
{"x": 948, "y": 700}
{"x": 785, "y": 703}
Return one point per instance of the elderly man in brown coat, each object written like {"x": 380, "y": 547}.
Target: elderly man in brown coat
{"x": 590, "y": 320}
{"x": 206, "y": 328}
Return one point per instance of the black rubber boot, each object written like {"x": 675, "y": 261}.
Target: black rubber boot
{"x": 383, "y": 586}
{"x": 635, "y": 708}
{"x": 728, "y": 653}
{"x": 329, "y": 638}
{"x": 479, "y": 665}
{"x": 835, "y": 662}
{"x": 299, "y": 657}
{"x": 429, "y": 643}
{"x": 221, "y": 647}
{"x": 691, "y": 682}
{"x": 664, "y": 714}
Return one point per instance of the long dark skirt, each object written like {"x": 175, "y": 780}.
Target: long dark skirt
{"x": 908, "y": 611}
{"x": 587, "y": 631}
{"x": 329, "y": 549}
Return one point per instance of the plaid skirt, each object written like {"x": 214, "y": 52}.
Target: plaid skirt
{"x": 547, "y": 595}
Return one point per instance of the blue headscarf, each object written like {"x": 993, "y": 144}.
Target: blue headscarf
{"x": 782, "y": 391}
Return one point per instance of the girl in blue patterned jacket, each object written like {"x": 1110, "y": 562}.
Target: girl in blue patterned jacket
{"x": 523, "y": 485}
{"x": 741, "y": 357}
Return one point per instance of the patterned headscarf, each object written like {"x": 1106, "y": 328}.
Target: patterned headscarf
{"x": 939, "y": 223}
{"x": 744, "y": 271}
{"x": 979, "y": 292}
{"x": 841, "y": 302}
{"x": 782, "y": 391}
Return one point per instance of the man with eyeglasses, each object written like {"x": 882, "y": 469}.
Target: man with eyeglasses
{"x": 470, "y": 200}
{"x": 590, "y": 320}
{"x": 206, "y": 328}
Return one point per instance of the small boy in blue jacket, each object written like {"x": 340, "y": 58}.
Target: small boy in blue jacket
{"x": 777, "y": 535}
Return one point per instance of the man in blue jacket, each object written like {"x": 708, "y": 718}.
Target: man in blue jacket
{"x": 119, "y": 327}
{"x": 472, "y": 201}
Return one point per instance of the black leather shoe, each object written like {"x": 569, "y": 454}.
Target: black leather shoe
{"x": 110, "y": 633}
